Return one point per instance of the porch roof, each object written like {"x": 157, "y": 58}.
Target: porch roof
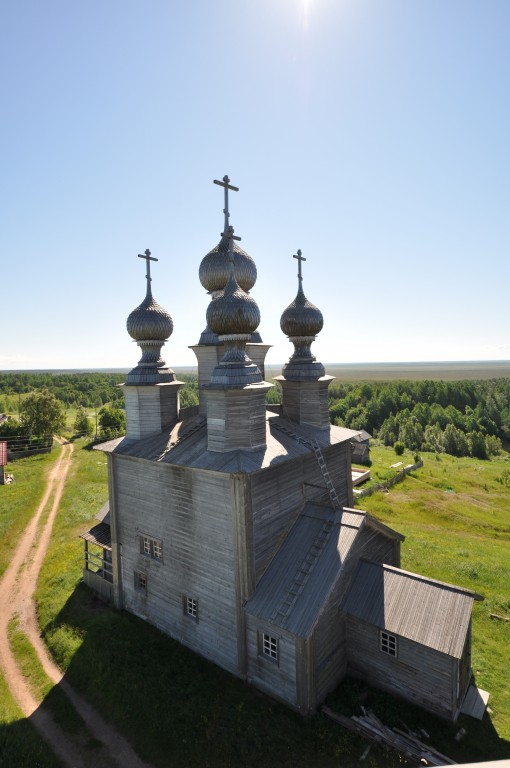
{"x": 100, "y": 535}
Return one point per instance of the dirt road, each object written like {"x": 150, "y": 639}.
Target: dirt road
{"x": 16, "y": 598}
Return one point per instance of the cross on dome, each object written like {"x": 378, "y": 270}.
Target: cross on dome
{"x": 226, "y": 185}
{"x": 147, "y": 256}
{"x": 300, "y": 259}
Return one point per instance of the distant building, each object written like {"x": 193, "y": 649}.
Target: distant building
{"x": 360, "y": 447}
{"x": 233, "y": 530}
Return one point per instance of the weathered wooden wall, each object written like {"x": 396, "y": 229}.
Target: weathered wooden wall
{"x": 419, "y": 674}
{"x": 278, "y": 494}
{"x": 190, "y": 511}
{"x": 329, "y": 635}
{"x": 276, "y": 678}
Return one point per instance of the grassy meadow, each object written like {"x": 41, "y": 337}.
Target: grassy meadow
{"x": 180, "y": 710}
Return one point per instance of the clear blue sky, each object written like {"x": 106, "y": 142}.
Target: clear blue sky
{"x": 372, "y": 134}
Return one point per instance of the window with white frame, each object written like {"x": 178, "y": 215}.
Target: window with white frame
{"x": 141, "y": 581}
{"x": 270, "y": 646}
{"x": 151, "y": 547}
{"x": 388, "y": 644}
{"x": 190, "y": 605}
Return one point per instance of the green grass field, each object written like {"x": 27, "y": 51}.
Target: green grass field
{"x": 180, "y": 710}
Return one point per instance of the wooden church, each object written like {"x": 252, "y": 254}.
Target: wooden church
{"x": 231, "y": 527}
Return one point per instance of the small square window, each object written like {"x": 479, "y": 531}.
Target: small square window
{"x": 191, "y": 607}
{"x": 151, "y": 547}
{"x": 388, "y": 644}
{"x": 157, "y": 549}
{"x": 270, "y": 646}
{"x": 141, "y": 581}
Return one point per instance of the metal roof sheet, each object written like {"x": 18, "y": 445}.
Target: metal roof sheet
{"x": 423, "y": 610}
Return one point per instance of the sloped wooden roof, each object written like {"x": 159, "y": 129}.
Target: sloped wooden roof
{"x": 100, "y": 534}
{"x": 185, "y": 444}
{"x": 428, "y": 612}
{"x": 292, "y": 592}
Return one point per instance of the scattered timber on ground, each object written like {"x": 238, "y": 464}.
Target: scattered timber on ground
{"x": 497, "y": 617}
{"x": 406, "y": 744}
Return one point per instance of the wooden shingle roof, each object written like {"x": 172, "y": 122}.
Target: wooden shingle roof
{"x": 292, "y": 592}
{"x": 423, "y": 610}
{"x": 185, "y": 444}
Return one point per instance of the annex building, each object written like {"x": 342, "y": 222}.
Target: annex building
{"x": 231, "y": 526}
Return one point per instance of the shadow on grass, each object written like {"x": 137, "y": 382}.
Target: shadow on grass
{"x": 179, "y": 709}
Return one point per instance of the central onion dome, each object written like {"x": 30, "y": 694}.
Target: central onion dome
{"x": 233, "y": 312}
{"x": 149, "y": 321}
{"x": 234, "y": 316}
{"x": 214, "y": 268}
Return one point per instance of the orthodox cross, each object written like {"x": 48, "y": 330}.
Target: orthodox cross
{"x": 147, "y": 256}
{"x": 300, "y": 259}
{"x": 226, "y": 185}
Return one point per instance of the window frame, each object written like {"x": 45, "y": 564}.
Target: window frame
{"x": 190, "y": 607}
{"x": 151, "y": 547}
{"x": 388, "y": 644}
{"x": 269, "y": 647}
{"x": 140, "y": 581}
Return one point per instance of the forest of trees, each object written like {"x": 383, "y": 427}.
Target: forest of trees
{"x": 464, "y": 418}
{"x": 72, "y": 389}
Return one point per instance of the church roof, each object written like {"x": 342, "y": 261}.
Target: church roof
{"x": 292, "y": 592}
{"x": 185, "y": 444}
{"x": 426, "y": 611}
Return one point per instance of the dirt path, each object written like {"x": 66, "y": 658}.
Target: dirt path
{"x": 16, "y": 598}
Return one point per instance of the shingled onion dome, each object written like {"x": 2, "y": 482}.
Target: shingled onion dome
{"x": 234, "y": 316}
{"x": 150, "y": 326}
{"x": 214, "y": 268}
{"x": 301, "y": 322}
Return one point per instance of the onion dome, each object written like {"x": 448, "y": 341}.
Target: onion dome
{"x": 149, "y": 321}
{"x": 150, "y": 326}
{"x": 301, "y": 318}
{"x": 234, "y": 312}
{"x": 214, "y": 269}
{"x": 301, "y": 322}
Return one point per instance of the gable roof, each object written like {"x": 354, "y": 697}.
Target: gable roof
{"x": 426, "y": 611}
{"x": 292, "y": 592}
{"x": 185, "y": 444}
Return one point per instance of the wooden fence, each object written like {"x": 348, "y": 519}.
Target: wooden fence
{"x": 397, "y": 478}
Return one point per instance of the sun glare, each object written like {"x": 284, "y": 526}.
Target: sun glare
{"x": 306, "y": 9}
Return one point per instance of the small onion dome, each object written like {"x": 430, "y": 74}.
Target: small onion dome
{"x": 214, "y": 269}
{"x": 234, "y": 312}
{"x": 301, "y": 318}
{"x": 149, "y": 321}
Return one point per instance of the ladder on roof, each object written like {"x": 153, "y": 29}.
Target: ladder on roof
{"x": 303, "y": 574}
{"x": 314, "y": 445}
{"x": 329, "y": 483}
